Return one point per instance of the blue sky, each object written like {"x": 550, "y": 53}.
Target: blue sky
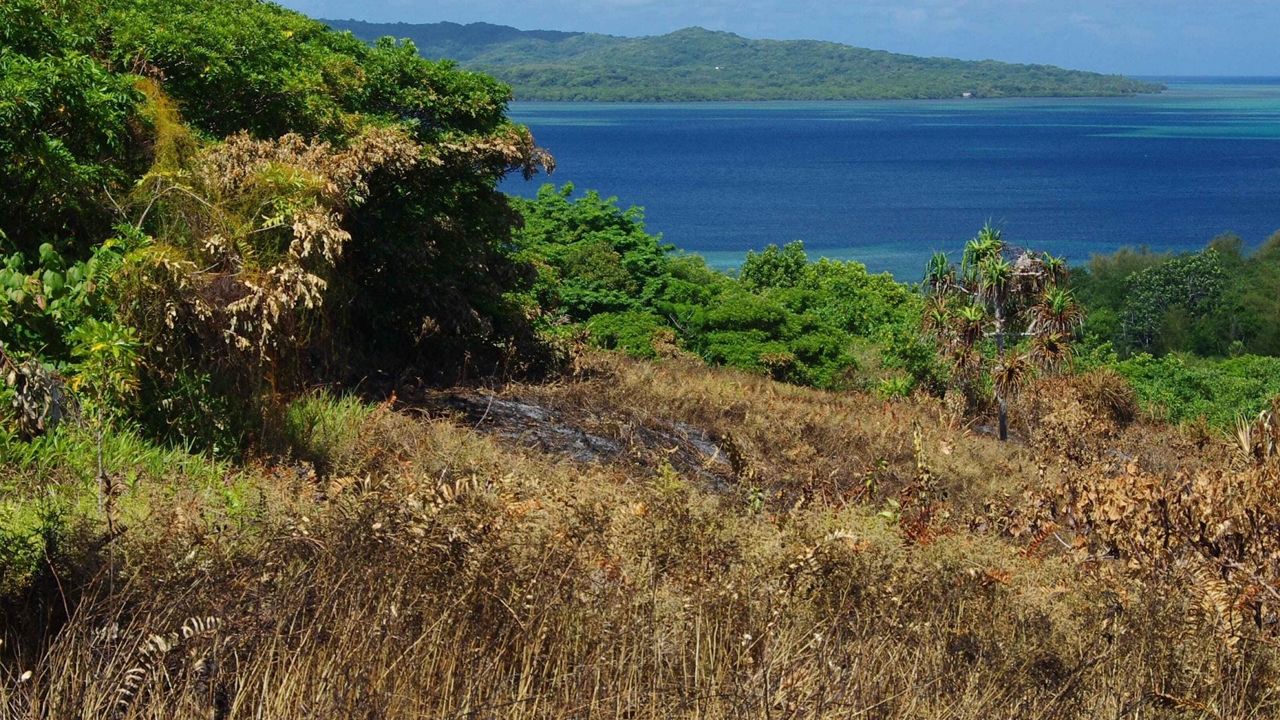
{"x": 1148, "y": 37}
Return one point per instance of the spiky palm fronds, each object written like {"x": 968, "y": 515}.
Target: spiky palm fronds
{"x": 1055, "y": 268}
{"x": 966, "y": 363}
{"x": 1006, "y": 294}
{"x": 936, "y": 320}
{"x": 1057, "y": 313}
{"x": 1259, "y": 438}
{"x": 1010, "y": 376}
{"x": 1244, "y": 435}
{"x": 988, "y": 243}
{"x": 1051, "y": 352}
{"x": 994, "y": 276}
{"x": 970, "y": 325}
{"x": 939, "y": 274}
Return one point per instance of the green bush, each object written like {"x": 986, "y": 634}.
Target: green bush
{"x": 327, "y": 430}
{"x": 260, "y": 202}
{"x": 774, "y": 267}
{"x": 29, "y": 532}
{"x": 632, "y": 332}
{"x": 67, "y": 127}
{"x": 1184, "y": 388}
{"x": 782, "y": 315}
{"x": 50, "y": 512}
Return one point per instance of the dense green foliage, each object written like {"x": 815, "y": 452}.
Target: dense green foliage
{"x": 253, "y": 202}
{"x": 1185, "y": 388}
{"x": 64, "y": 129}
{"x": 1197, "y": 334}
{"x": 698, "y": 64}
{"x": 800, "y": 321}
{"x": 1217, "y": 302}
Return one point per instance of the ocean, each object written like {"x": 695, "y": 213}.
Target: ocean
{"x": 887, "y": 183}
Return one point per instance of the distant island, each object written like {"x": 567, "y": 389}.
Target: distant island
{"x": 697, "y": 64}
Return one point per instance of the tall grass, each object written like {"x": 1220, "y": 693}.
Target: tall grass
{"x": 428, "y": 571}
{"x": 327, "y": 430}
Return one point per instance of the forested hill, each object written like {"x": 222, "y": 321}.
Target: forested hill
{"x": 699, "y": 64}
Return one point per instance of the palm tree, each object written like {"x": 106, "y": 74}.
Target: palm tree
{"x": 994, "y": 279}
{"x": 1056, "y": 269}
{"x": 970, "y": 323}
{"x": 939, "y": 273}
{"x": 1004, "y": 294}
{"x": 936, "y": 320}
{"x": 988, "y": 243}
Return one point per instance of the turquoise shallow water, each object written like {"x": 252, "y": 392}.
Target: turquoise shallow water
{"x": 887, "y": 183}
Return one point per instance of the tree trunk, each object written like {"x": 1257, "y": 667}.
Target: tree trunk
{"x": 1000, "y": 400}
{"x": 1004, "y": 421}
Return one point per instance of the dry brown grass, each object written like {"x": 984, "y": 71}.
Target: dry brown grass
{"x": 854, "y": 563}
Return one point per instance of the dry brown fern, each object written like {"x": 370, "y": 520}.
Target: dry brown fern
{"x": 150, "y": 660}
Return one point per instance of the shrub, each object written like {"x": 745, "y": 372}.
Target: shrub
{"x": 774, "y": 267}
{"x": 1109, "y": 394}
{"x": 894, "y": 387}
{"x": 67, "y": 130}
{"x": 1078, "y": 416}
{"x": 267, "y": 203}
{"x": 29, "y": 532}
{"x": 53, "y": 522}
{"x": 632, "y": 332}
{"x": 1184, "y": 388}
{"x": 794, "y": 320}
{"x": 328, "y": 431}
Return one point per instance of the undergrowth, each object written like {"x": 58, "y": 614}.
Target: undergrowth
{"x": 863, "y": 557}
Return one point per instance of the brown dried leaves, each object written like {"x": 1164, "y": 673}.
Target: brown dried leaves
{"x": 262, "y": 222}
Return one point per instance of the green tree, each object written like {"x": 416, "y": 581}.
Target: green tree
{"x": 308, "y": 207}
{"x": 774, "y": 267}
{"x": 65, "y": 130}
{"x": 1012, "y": 297}
{"x": 1156, "y": 296}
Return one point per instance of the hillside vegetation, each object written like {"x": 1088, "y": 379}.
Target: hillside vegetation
{"x": 699, "y": 64}
{"x": 1197, "y": 333}
{"x": 824, "y": 555}
{"x": 302, "y": 418}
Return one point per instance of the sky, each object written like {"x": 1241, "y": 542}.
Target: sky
{"x": 1135, "y": 37}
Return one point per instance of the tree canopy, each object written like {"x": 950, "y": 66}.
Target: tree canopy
{"x": 801, "y": 321}
{"x": 699, "y": 64}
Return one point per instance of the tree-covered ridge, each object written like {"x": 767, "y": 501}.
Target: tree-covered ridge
{"x": 699, "y": 64}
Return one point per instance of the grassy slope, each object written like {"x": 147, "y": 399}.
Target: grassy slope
{"x": 857, "y": 558}
{"x": 697, "y": 64}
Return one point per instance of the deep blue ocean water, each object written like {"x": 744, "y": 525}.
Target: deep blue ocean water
{"x": 888, "y": 183}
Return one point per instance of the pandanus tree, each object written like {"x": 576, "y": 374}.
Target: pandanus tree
{"x": 1003, "y": 313}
